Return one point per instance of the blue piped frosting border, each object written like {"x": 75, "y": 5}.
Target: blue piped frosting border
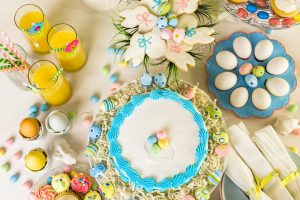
{"x": 127, "y": 173}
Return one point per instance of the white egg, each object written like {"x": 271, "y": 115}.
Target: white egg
{"x": 261, "y": 99}
{"x": 277, "y": 65}
{"x": 225, "y": 80}
{"x": 278, "y": 86}
{"x": 263, "y": 50}
{"x": 58, "y": 121}
{"x": 226, "y": 60}
{"x": 242, "y": 47}
{"x": 239, "y": 97}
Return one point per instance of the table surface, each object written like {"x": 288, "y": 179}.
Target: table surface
{"x": 96, "y": 31}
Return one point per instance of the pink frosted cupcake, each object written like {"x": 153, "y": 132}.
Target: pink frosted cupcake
{"x": 46, "y": 193}
{"x": 81, "y": 183}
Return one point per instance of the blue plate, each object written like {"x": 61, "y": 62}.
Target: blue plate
{"x": 249, "y": 110}
{"x": 231, "y": 191}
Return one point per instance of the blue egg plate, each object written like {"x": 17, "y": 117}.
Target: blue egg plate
{"x": 248, "y": 110}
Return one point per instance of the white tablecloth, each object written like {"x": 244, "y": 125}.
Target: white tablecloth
{"x": 95, "y": 31}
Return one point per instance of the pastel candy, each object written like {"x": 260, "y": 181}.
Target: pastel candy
{"x": 114, "y": 77}
{"x": 152, "y": 139}
{"x": 94, "y": 99}
{"x": 87, "y": 121}
{"x": 166, "y": 33}
{"x": 161, "y": 134}
{"x": 33, "y": 108}
{"x": 214, "y": 178}
{"x": 27, "y": 185}
{"x": 5, "y": 167}
{"x": 155, "y": 149}
{"x": 123, "y": 64}
{"x": 163, "y": 143}
{"x": 190, "y": 92}
{"x": 202, "y": 194}
{"x": 146, "y": 80}
{"x": 222, "y": 150}
{"x": 107, "y": 105}
{"x": 292, "y": 108}
{"x": 91, "y": 150}
{"x": 2, "y": 151}
{"x": 67, "y": 169}
{"x": 178, "y": 35}
{"x": 164, "y": 8}
{"x": 49, "y": 180}
{"x": 97, "y": 170}
{"x": 107, "y": 190}
{"x": 251, "y": 80}
{"x": 162, "y": 22}
{"x": 221, "y": 137}
{"x": 214, "y": 112}
{"x": 33, "y": 115}
{"x": 44, "y": 107}
{"x": 245, "y": 69}
{"x": 95, "y": 131}
{"x": 160, "y": 80}
{"x": 105, "y": 70}
{"x": 258, "y": 71}
{"x": 14, "y": 178}
{"x": 17, "y": 156}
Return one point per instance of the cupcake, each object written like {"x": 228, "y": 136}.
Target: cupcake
{"x": 36, "y": 160}
{"x": 284, "y": 8}
{"x": 238, "y": 1}
{"x": 81, "y": 183}
{"x": 30, "y": 129}
{"x": 46, "y": 193}
{"x": 60, "y": 182}
{"x": 67, "y": 196}
{"x": 92, "y": 195}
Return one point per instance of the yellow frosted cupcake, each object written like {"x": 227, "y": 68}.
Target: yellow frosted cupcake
{"x": 92, "y": 195}
{"x": 67, "y": 196}
{"x": 61, "y": 182}
{"x": 284, "y": 8}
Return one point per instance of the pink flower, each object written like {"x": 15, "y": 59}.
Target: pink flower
{"x": 71, "y": 46}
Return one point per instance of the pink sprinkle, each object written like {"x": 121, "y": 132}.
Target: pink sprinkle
{"x": 9, "y": 142}
{"x": 27, "y": 186}
{"x": 17, "y": 156}
{"x": 67, "y": 169}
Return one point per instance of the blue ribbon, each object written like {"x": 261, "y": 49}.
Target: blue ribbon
{"x": 143, "y": 42}
{"x": 190, "y": 32}
{"x": 157, "y": 3}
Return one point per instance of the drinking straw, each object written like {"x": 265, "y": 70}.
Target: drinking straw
{"x": 55, "y": 77}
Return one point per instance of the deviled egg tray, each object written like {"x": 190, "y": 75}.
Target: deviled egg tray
{"x": 251, "y": 75}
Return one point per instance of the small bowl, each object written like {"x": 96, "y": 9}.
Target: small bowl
{"x": 55, "y": 132}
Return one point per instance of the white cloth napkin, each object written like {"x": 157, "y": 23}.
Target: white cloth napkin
{"x": 242, "y": 176}
{"x": 240, "y": 139}
{"x": 275, "y": 151}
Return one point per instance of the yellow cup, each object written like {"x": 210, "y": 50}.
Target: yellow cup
{"x": 51, "y": 85}
{"x": 66, "y": 46}
{"x": 31, "y": 20}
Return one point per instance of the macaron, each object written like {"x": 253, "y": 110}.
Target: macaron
{"x": 36, "y": 160}
{"x": 30, "y": 128}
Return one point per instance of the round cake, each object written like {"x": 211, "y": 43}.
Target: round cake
{"x": 158, "y": 143}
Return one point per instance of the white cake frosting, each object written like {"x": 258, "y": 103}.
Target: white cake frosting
{"x": 287, "y": 5}
{"x": 143, "y": 122}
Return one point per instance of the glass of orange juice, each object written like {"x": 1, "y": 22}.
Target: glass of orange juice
{"x": 49, "y": 82}
{"x": 31, "y": 20}
{"x": 66, "y": 46}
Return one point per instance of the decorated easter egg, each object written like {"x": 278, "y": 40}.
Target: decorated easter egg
{"x": 164, "y": 8}
{"x": 261, "y": 99}
{"x": 162, "y": 22}
{"x": 163, "y": 143}
{"x": 223, "y": 150}
{"x": 155, "y": 149}
{"x": 242, "y": 13}
{"x": 214, "y": 178}
{"x": 214, "y": 112}
{"x": 146, "y": 80}
{"x": 258, "y": 71}
{"x": 152, "y": 139}
{"x": 107, "y": 105}
{"x": 251, "y": 8}
{"x": 251, "y": 80}
{"x": 58, "y": 121}
{"x": 278, "y": 86}
{"x": 189, "y": 92}
{"x": 239, "y": 97}
{"x": 91, "y": 150}
{"x": 221, "y": 137}
{"x": 277, "y": 65}
{"x": 245, "y": 69}
{"x": 107, "y": 190}
{"x": 242, "y": 47}
{"x": 173, "y": 21}
{"x": 166, "y": 33}
{"x": 263, "y": 15}
{"x": 33, "y": 108}
{"x": 97, "y": 171}
{"x": 226, "y": 60}
{"x": 202, "y": 194}
{"x": 263, "y": 49}
{"x": 95, "y": 131}
{"x": 160, "y": 80}
{"x": 225, "y": 80}
{"x": 178, "y": 35}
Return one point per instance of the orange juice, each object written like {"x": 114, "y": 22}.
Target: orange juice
{"x": 35, "y": 27}
{"x": 53, "y": 92}
{"x": 63, "y": 36}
